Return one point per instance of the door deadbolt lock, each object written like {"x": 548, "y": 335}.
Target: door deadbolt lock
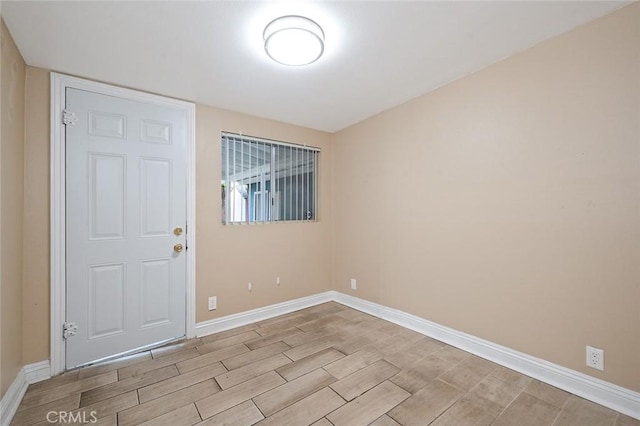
{"x": 178, "y": 231}
{"x": 177, "y": 248}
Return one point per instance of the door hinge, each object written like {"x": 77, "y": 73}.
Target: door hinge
{"x": 69, "y": 118}
{"x": 69, "y": 329}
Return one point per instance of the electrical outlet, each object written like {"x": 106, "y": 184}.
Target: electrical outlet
{"x": 213, "y": 303}
{"x": 278, "y": 280}
{"x": 595, "y": 358}
{"x": 354, "y": 284}
{"x": 250, "y": 287}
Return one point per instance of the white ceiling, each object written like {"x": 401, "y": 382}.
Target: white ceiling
{"x": 377, "y": 55}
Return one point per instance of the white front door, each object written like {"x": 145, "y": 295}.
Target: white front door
{"x": 125, "y": 207}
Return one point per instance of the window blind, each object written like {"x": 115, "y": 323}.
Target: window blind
{"x": 267, "y": 181}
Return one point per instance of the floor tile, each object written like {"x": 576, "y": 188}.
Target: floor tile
{"x": 255, "y": 355}
{"x": 552, "y": 395}
{"x": 242, "y": 374}
{"x": 426, "y": 346}
{"x": 216, "y": 345}
{"x": 107, "y": 391}
{"x": 395, "y": 330}
{"x": 322, "y": 422}
{"x": 354, "y": 315}
{"x": 394, "y": 343}
{"x": 228, "y": 333}
{"x": 451, "y": 354}
{"x": 362, "y": 380}
{"x": 211, "y": 358}
{"x": 427, "y": 404}
{"x": 404, "y": 359}
{"x": 176, "y": 347}
{"x": 350, "y": 345}
{"x": 181, "y": 381}
{"x": 624, "y": 420}
{"x": 273, "y": 338}
{"x": 38, "y": 413}
{"x": 307, "y": 410}
{"x": 184, "y": 416}
{"x": 510, "y": 376}
{"x": 527, "y": 410}
{"x": 320, "y": 323}
{"x": 228, "y": 398}
{"x": 353, "y": 328}
{"x": 580, "y": 412}
{"x": 421, "y": 373}
{"x": 62, "y": 379}
{"x": 154, "y": 364}
{"x": 463, "y": 413}
{"x": 468, "y": 373}
{"x": 276, "y": 327}
{"x": 94, "y": 370}
{"x": 312, "y": 347}
{"x": 106, "y": 421}
{"x": 369, "y": 406}
{"x": 244, "y": 414}
{"x": 352, "y": 363}
{"x": 309, "y": 363}
{"x": 44, "y": 396}
{"x": 110, "y": 406}
{"x": 293, "y": 391}
{"x": 493, "y": 394}
{"x": 157, "y": 407}
{"x": 415, "y": 352}
{"x": 306, "y": 337}
{"x": 385, "y": 420}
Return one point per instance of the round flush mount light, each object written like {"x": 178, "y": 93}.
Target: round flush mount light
{"x": 293, "y": 40}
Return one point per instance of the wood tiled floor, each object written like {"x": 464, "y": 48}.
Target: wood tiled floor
{"x": 325, "y": 365}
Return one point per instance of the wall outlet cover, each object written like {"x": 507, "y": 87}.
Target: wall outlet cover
{"x": 595, "y": 358}
{"x": 213, "y": 303}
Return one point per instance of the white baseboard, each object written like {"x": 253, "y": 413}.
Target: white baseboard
{"x": 28, "y": 374}
{"x": 37, "y": 372}
{"x": 243, "y": 318}
{"x": 12, "y": 398}
{"x": 604, "y": 393}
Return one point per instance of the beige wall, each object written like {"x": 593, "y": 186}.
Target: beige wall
{"x": 36, "y": 219}
{"x": 11, "y": 206}
{"x": 228, "y": 257}
{"x": 507, "y": 204}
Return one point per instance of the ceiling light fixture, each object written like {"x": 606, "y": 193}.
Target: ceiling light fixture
{"x": 293, "y": 40}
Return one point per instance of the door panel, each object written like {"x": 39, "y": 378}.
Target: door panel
{"x": 106, "y": 300}
{"x": 125, "y": 192}
{"x": 107, "y": 125}
{"x": 155, "y": 197}
{"x": 156, "y": 291}
{"x": 106, "y": 196}
{"x": 155, "y": 132}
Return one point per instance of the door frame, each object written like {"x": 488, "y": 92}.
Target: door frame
{"x": 59, "y": 84}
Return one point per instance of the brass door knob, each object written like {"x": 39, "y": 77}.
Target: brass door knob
{"x": 178, "y": 231}
{"x": 177, "y": 248}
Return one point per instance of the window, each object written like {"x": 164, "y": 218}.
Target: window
{"x": 267, "y": 181}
